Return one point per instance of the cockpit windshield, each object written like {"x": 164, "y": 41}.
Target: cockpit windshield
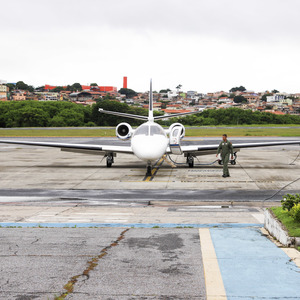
{"x": 142, "y": 130}
{"x": 147, "y": 129}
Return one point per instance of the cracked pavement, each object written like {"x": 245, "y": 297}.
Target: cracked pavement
{"x": 101, "y": 263}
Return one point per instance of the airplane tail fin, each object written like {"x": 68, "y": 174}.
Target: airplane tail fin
{"x": 150, "y": 114}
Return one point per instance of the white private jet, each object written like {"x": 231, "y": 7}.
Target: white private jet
{"x": 149, "y": 142}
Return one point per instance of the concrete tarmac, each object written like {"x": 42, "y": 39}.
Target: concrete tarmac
{"x": 185, "y": 234}
{"x": 25, "y": 167}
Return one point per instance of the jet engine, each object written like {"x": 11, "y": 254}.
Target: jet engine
{"x": 124, "y": 131}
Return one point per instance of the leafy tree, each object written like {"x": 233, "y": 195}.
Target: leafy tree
{"x": 30, "y": 88}
{"x": 108, "y": 96}
{"x": 76, "y": 87}
{"x": 240, "y": 99}
{"x": 40, "y": 88}
{"x": 128, "y": 92}
{"x": 11, "y": 86}
{"x": 58, "y": 89}
{"x": 275, "y": 91}
{"x": 178, "y": 87}
{"x": 20, "y": 85}
{"x": 57, "y": 121}
{"x": 93, "y": 84}
{"x": 71, "y": 117}
{"x": 235, "y": 89}
{"x": 165, "y": 91}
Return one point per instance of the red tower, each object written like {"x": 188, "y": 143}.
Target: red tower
{"x": 124, "y": 82}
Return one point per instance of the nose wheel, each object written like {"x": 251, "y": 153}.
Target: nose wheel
{"x": 109, "y": 160}
{"x": 190, "y": 161}
{"x": 149, "y": 169}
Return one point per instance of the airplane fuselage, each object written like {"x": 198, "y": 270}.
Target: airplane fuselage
{"x": 149, "y": 141}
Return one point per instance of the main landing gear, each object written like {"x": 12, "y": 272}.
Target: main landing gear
{"x": 190, "y": 160}
{"x": 232, "y": 161}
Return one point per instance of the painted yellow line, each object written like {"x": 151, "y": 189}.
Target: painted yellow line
{"x": 154, "y": 170}
{"x": 213, "y": 279}
{"x": 294, "y": 255}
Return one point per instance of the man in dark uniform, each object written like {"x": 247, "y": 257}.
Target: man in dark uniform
{"x": 225, "y": 148}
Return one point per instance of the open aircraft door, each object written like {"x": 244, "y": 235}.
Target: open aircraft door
{"x": 175, "y": 137}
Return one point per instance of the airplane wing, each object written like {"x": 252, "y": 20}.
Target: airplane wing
{"x": 211, "y": 149}
{"x": 79, "y": 148}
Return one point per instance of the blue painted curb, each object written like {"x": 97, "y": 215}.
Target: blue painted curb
{"x": 133, "y": 225}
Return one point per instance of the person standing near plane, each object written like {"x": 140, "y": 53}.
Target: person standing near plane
{"x": 225, "y": 148}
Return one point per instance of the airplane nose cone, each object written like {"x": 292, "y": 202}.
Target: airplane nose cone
{"x": 149, "y": 147}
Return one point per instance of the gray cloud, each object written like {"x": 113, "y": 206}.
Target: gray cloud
{"x": 203, "y": 45}
{"x": 228, "y": 19}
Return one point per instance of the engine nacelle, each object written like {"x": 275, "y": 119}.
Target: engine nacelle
{"x": 178, "y": 126}
{"x": 124, "y": 131}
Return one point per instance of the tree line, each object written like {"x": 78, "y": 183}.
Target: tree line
{"x": 63, "y": 114}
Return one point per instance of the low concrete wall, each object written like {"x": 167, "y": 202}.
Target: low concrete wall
{"x": 277, "y": 230}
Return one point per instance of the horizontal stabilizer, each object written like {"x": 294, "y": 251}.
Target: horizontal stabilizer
{"x": 178, "y": 115}
{"x": 145, "y": 118}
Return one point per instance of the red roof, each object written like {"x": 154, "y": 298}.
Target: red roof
{"x": 87, "y": 87}
{"x": 278, "y": 113}
{"x": 175, "y": 111}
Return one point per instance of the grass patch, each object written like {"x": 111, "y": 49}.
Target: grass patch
{"x": 49, "y": 132}
{"x": 244, "y": 131}
{"x": 292, "y": 226}
{"x": 253, "y": 130}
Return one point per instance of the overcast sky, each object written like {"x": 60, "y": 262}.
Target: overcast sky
{"x": 206, "y": 46}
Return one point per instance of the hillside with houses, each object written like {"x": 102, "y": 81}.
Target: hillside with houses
{"x": 166, "y": 101}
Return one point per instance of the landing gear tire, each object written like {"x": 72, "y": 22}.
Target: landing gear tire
{"x": 233, "y": 161}
{"x": 149, "y": 171}
{"x": 109, "y": 161}
{"x": 190, "y": 161}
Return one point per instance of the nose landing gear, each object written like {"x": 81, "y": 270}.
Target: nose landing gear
{"x": 109, "y": 160}
{"x": 149, "y": 169}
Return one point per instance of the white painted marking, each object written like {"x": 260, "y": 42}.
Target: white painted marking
{"x": 259, "y": 217}
{"x": 115, "y": 221}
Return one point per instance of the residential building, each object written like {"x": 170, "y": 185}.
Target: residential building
{"x": 3, "y": 92}
{"x": 19, "y": 95}
{"x": 275, "y": 98}
{"x": 48, "y": 96}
